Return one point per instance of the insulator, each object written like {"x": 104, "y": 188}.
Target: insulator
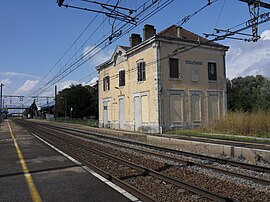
{"x": 60, "y": 2}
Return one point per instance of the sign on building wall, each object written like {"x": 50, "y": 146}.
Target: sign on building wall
{"x": 193, "y": 62}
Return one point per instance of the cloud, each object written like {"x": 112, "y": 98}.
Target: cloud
{"x": 6, "y": 82}
{"x": 26, "y": 88}
{"x": 93, "y": 81}
{"x": 96, "y": 55}
{"x": 249, "y": 58}
{"x": 29, "y": 85}
{"x": 60, "y": 86}
{"x": 13, "y": 79}
{"x": 265, "y": 35}
{"x": 66, "y": 84}
{"x": 18, "y": 74}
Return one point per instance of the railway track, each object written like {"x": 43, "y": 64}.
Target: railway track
{"x": 140, "y": 170}
{"x": 153, "y": 151}
{"x": 172, "y": 158}
{"x": 169, "y": 150}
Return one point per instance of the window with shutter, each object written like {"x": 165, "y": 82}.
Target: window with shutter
{"x": 141, "y": 74}
{"x": 174, "y": 68}
{"x": 106, "y": 83}
{"x": 212, "y": 71}
{"x": 122, "y": 78}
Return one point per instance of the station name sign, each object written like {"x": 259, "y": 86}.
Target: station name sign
{"x": 193, "y": 62}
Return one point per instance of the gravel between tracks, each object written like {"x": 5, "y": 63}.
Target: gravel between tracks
{"x": 167, "y": 192}
{"x": 162, "y": 191}
{"x": 155, "y": 188}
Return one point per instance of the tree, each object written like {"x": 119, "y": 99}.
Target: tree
{"x": 248, "y": 94}
{"x": 263, "y": 101}
{"x": 78, "y": 101}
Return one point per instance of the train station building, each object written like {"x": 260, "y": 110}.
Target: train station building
{"x": 173, "y": 79}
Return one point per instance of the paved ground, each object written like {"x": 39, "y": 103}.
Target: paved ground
{"x": 33, "y": 169}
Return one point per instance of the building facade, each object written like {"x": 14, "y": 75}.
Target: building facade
{"x": 167, "y": 80}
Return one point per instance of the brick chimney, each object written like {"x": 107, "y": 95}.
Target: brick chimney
{"x": 135, "y": 39}
{"x": 148, "y": 31}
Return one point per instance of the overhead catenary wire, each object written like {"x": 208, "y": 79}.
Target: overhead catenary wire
{"x": 242, "y": 23}
{"x": 66, "y": 64}
{"x": 182, "y": 51}
{"x": 130, "y": 71}
{"x": 188, "y": 17}
{"x": 264, "y": 17}
{"x": 153, "y": 62}
{"x": 220, "y": 13}
{"x": 179, "y": 52}
{"x": 253, "y": 23}
{"x": 91, "y": 22}
{"x": 146, "y": 18}
{"x": 116, "y": 6}
{"x": 176, "y": 52}
{"x": 63, "y": 69}
{"x": 127, "y": 32}
{"x": 112, "y": 11}
{"x": 83, "y": 58}
{"x": 150, "y": 15}
{"x": 209, "y": 3}
{"x": 87, "y": 76}
{"x": 188, "y": 48}
{"x": 75, "y": 41}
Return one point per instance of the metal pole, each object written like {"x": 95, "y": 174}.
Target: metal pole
{"x": 71, "y": 110}
{"x": 1, "y": 106}
{"x": 55, "y": 103}
{"x": 65, "y": 110}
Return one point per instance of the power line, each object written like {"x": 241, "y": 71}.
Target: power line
{"x": 188, "y": 17}
{"x": 90, "y": 54}
{"x": 63, "y": 68}
{"x": 262, "y": 18}
{"x": 145, "y": 18}
{"x": 150, "y": 14}
{"x": 220, "y": 12}
{"x": 80, "y": 35}
{"x": 87, "y": 76}
{"x": 93, "y": 20}
{"x": 66, "y": 64}
{"x": 111, "y": 11}
{"x": 255, "y": 20}
{"x": 153, "y": 62}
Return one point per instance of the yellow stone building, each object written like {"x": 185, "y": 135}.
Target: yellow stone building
{"x": 167, "y": 80}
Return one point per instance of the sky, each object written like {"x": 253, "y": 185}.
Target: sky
{"x": 39, "y": 39}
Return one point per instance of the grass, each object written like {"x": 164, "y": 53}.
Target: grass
{"x": 239, "y": 123}
{"x": 245, "y": 124}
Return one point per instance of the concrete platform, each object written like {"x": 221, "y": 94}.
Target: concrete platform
{"x": 55, "y": 177}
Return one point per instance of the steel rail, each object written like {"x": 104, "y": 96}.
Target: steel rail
{"x": 131, "y": 189}
{"x": 175, "y": 159}
{"x": 188, "y": 186}
{"x": 188, "y": 163}
{"x": 189, "y": 154}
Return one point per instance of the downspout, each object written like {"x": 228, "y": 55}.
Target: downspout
{"x": 225, "y": 87}
{"x": 159, "y": 88}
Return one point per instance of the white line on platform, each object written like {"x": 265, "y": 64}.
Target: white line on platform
{"x": 109, "y": 183}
